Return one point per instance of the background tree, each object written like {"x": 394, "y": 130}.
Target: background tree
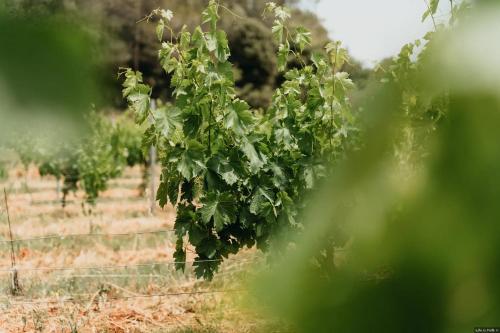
{"x": 122, "y": 41}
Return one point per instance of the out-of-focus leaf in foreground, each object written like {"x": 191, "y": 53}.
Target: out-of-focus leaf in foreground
{"x": 424, "y": 249}
{"x": 469, "y": 60}
{"x": 46, "y": 72}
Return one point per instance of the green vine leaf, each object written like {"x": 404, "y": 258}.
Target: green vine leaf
{"x": 302, "y": 38}
{"x": 283, "y": 54}
{"x": 432, "y": 9}
{"x": 220, "y": 207}
{"x": 278, "y": 31}
{"x": 210, "y": 15}
{"x": 167, "y": 120}
{"x": 192, "y": 160}
{"x": 140, "y": 103}
{"x": 239, "y": 118}
{"x": 168, "y": 15}
{"x": 160, "y": 28}
{"x": 262, "y": 204}
{"x": 223, "y": 52}
{"x": 256, "y": 161}
{"x": 180, "y": 255}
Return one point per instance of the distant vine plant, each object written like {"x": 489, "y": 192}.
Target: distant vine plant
{"x": 89, "y": 162}
{"x": 236, "y": 176}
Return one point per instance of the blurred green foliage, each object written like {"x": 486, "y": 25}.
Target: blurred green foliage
{"x": 45, "y": 70}
{"x": 49, "y": 51}
{"x": 3, "y": 171}
{"x": 421, "y": 249}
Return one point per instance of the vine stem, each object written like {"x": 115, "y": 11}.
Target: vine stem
{"x": 332, "y": 124}
{"x": 431, "y": 14}
{"x": 210, "y": 128}
{"x": 231, "y": 12}
{"x": 451, "y": 10}
{"x": 298, "y": 56}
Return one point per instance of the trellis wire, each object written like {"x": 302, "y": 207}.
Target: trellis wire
{"x": 109, "y": 267}
{"x": 91, "y": 297}
{"x": 85, "y": 235}
{"x": 72, "y": 299}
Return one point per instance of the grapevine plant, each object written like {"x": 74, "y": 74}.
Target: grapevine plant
{"x": 136, "y": 152}
{"x": 238, "y": 176}
{"x": 89, "y": 162}
{"x": 101, "y": 157}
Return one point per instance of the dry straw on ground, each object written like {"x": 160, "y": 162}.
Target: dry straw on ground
{"x": 35, "y": 211}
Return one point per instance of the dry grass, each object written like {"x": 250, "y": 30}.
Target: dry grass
{"x": 35, "y": 211}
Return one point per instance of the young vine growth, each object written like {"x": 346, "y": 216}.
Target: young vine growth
{"x": 239, "y": 176}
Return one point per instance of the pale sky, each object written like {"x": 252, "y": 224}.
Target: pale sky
{"x": 374, "y": 29}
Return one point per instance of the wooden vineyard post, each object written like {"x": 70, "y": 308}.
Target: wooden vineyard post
{"x": 152, "y": 158}
{"x": 152, "y": 164}
{"x": 15, "y": 287}
{"x": 58, "y": 188}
